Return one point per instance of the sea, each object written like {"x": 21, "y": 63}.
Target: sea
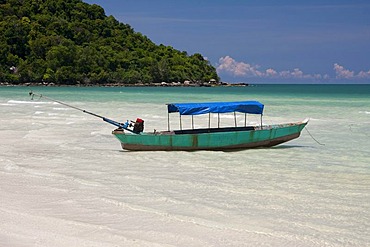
{"x": 65, "y": 180}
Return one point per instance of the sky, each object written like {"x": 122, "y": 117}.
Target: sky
{"x": 252, "y": 41}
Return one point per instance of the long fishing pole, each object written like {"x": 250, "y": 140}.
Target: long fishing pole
{"x": 115, "y": 123}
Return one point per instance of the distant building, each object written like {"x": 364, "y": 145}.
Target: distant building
{"x": 212, "y": 81}
{"x": 13, "y": 69}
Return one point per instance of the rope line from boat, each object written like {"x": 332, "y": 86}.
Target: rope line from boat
{"x": 313, "y": 138}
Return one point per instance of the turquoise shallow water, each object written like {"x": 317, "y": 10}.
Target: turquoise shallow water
{"x": 63, "y": 171}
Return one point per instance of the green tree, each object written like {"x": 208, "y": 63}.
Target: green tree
{"x": 69, "y": 42}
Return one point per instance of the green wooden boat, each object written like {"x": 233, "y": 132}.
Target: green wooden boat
{"x": 132, "y": 136}
{"x": 229, "y": 138}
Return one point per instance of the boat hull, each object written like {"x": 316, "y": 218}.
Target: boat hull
{"x": 219, "y": 141}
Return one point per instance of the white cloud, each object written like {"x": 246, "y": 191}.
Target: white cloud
{"x": 240, "y": 69}
{"x": 271, "y": 73}
{"x": 343, "y": 73}
{"x": 364, "y": 75}
{"x": 234, "y": 68}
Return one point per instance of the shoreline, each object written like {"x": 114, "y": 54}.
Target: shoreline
{"x": 163, "y": 84}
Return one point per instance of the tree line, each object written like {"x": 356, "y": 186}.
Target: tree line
{"x": 72, "y": 42}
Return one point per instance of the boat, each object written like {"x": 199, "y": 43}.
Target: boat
{"x": 132, "y": 136}
{"x": 215, "y": 139}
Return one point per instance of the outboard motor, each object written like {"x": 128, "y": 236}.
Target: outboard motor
{"x": 138, "y": 125}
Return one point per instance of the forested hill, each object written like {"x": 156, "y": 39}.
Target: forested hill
{"x": 72, "y": 42}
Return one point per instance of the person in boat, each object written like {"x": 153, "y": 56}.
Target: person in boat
{"x": 138, "y": 125}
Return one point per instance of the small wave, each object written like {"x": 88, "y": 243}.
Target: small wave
{"x": 39, "y": 112}
{"x": 226, "y": 116}
{"x": 27, "y": 102}
{"x": 9, "y": 165}
{"x": 100, "y": 133}
{"x": 95, "y": 133}
{"x": 60, "y": 109}
{"x": 41, "y": 117}
{"x": 53, "y": 114}
{"x": 364, "y": 112}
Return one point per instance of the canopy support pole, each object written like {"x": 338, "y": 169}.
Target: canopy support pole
{"x": 218, "y": 120}
{"x": 168, "y": 121}
{"x": 209, "y": 120}
{"x": 192, "y": 121}
{"x": 235, "y": 119}
{"x": 180, "y": 123}
{"x": 261, "y": 121}
{"x": 245, "y": 119}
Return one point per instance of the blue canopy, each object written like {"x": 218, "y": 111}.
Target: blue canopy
{"x": 252, "y": 107}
